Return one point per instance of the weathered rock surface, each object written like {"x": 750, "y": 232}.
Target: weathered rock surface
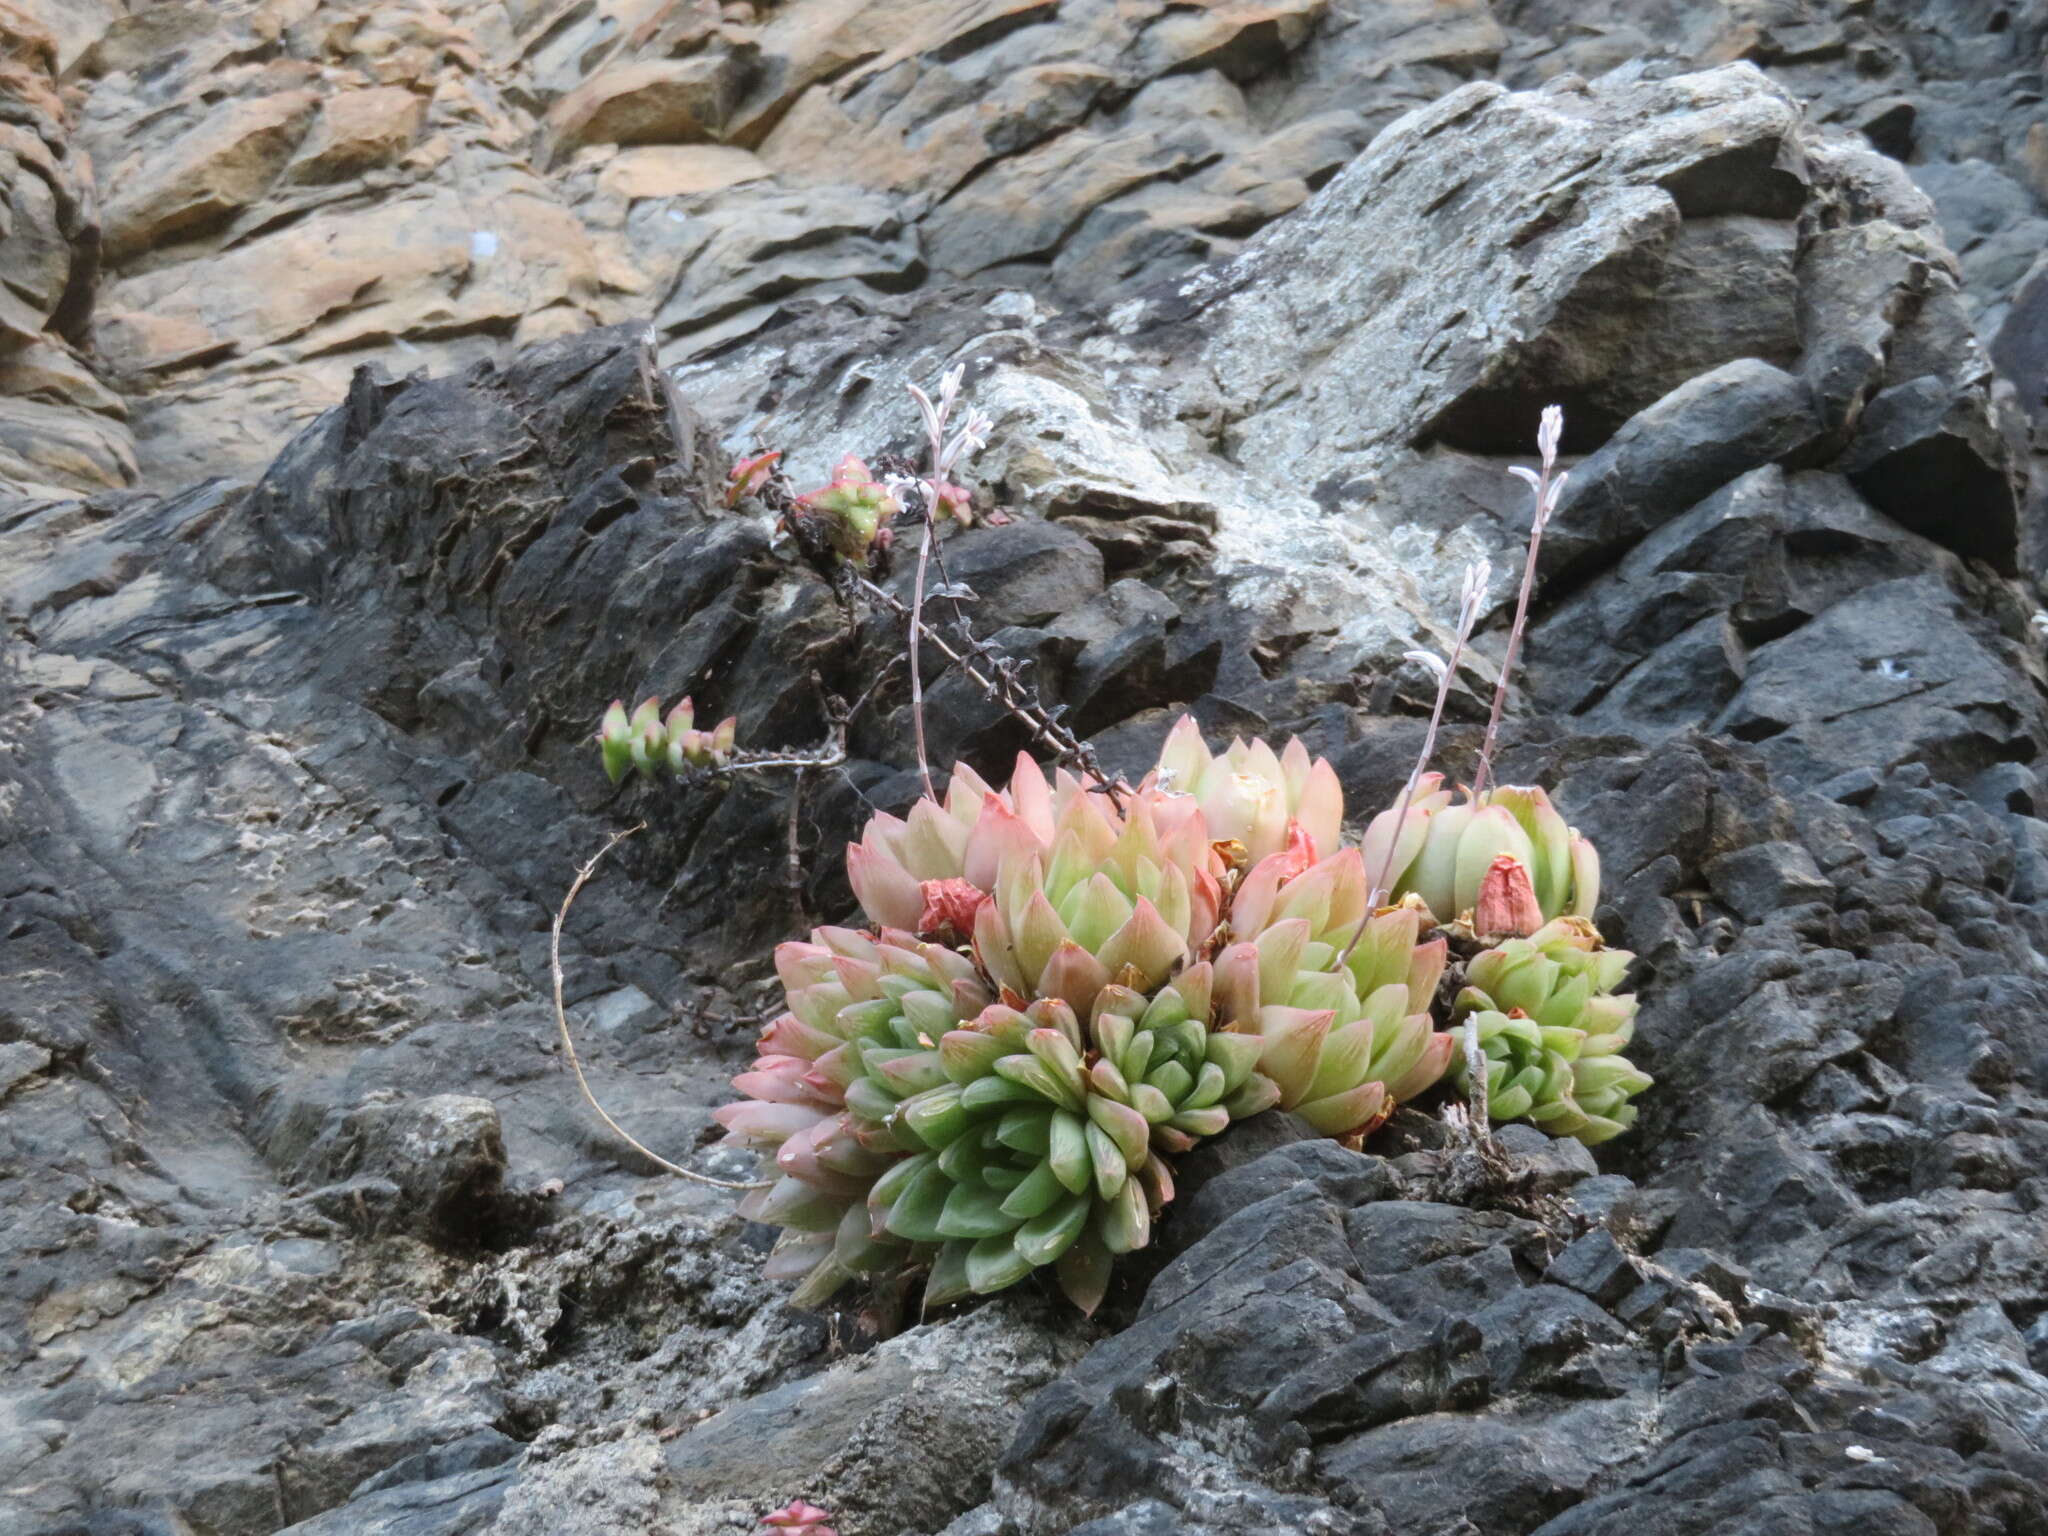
{"x": 307, "y": 1227}
{"x": 293, "y": 187}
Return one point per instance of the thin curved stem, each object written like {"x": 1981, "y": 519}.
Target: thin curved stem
{"x": 1378, "y": 889}
{"x": 924, "y": 554}
{"x": 569, "y": 1045}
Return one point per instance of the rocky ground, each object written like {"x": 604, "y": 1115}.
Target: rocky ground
{"x": 307, "y": 1227}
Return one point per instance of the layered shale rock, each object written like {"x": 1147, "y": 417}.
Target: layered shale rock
{"x": 293, "y": 187}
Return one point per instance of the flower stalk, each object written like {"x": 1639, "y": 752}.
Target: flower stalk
{"x": 1546, "y": 484}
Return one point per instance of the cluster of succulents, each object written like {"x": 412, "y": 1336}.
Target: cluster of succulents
{"x": 1067, "y": 986}
{"x": 649, "y": 743}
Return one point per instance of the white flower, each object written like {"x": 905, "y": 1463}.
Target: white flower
{"x": 1436, "y": 664}
{"x": 1472, "y": 596}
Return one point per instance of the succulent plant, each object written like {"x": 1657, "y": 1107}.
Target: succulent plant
{"x": 1552, "y": 1029}
{"x": 910, "y": 1120}
{"x": 854, "y": 509}
{"x": 1509, "y": 846}
{"x": 1047, "y": 1143}
{"x": 1347, "y": 1036}
{"x": 821, "y": 1096}
{"x": 1251, "y": 795}
{"x": 1065, "y": 988}
{"x": 649, "y": 743}
{"x": 1061, "y": 891}
{"x": 799, "y": 1519}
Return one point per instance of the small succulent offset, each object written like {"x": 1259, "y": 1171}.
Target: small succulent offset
{"x": 799, "y": 1519}
{"x": 853, "y": 510}
{"x": 750, "y": 475}
{"x": 648, "y": 743}
{"x": 1500, "y": 864}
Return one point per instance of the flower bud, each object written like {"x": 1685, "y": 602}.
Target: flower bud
{"x": 1507, "y": 906}
{"x": 749, "y": 475}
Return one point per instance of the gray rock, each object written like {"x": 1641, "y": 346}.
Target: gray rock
{"x": 1758, "y": 880}
{"x": 301, "y": 774}
{"x": 1701, "y": 436}
{"x": 1922, "y": 448}
{"x": 442, "y": 1159}
{"x": 20, "y": 1060}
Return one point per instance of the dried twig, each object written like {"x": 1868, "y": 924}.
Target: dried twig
{"x": 1547, "y": 486}
{"x": 663, "y": 395}
{"x": 1475, "y": 1073}
{"x": 793, "y": 868}
{"x": 924, "y": 762}
{"x": 997, "y": 677}
{"x": 945, "y": 453}
{"x": 569, "y": 1045}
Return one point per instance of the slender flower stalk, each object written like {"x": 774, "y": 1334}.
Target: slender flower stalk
{"x": 1548, "y": 486}
{"x": 1471, "y": 597}
{"x": 945, "y": 454}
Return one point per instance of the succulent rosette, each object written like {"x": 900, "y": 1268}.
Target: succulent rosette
{"x": 1251, "y": 795}
{"x": 1552, "y": 1029}
{"x": 1509, "y": 845}
{"x": 1341, "y": 996}
{"x": 822, "y": 1094}
{"x": 1047, "y": 1143}
{"x": 1347, "y": 1024}
{"x": 854, "y": 506}
{"x": 1061, "y": 890}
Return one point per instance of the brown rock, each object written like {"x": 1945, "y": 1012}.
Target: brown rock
{"x": 440, "y": 261}
{"x": 826, "y": 139}
{"x": 359, "y": 130}
{"x": 1022, "y": 206}
{"x": 1241, "y": 40}
{"x": 806, "y": 44}
{"x": 28, "y": 64}
{"x": 205, "y": 177}
{"x": 55, "y": 450}
{"x": 54, "y": 373}
{"x": 677, "y": 170}
{"x": 50, "y": 240}
{"x": 73, "y": 25}
{"x": 662, "y": 101}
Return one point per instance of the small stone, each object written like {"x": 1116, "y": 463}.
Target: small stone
{"x": 20, "y": 1060}
{"x": 1596, "y": 1267}
{"x": 1853, "y": 787}
{"x": 1545, "y": 1164}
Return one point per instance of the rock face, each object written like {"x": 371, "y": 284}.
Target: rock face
{"x": 307, "y": 1227}
{"x": 293, "y": 187}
